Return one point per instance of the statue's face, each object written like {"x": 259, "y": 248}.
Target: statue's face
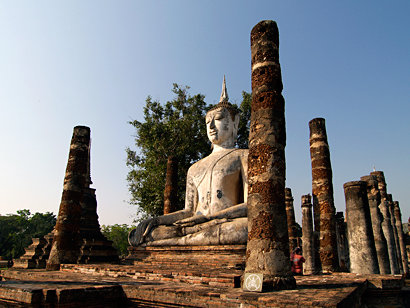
{"x": 219, "y": 126}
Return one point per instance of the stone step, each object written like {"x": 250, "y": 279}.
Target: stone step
{"x": 213, "y": 276}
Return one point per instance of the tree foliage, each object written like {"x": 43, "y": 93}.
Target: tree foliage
{"x": 176, "y": 128}
{"x": 17, "y": 230}
{"x": 119, "y": 235}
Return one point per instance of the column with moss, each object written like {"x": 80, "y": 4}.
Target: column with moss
{"x": 267, "y": 249}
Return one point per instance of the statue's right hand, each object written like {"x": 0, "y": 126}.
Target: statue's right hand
{"x": 137, "y": 235}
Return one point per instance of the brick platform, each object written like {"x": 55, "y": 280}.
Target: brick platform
{"x": 221, "y": 256}
{"x": 116, "y": 286}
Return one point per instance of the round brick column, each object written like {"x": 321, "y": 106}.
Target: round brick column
{"x": 290, "y": 214}
{"x": 386, "y": 224}
{"x": 395, "y": 233}
{"x": 362, "y": 251}
{"x": 402, "y": 242}
{"x": 373, "y": 195}
{"x": 267, "y": 249}
{"x": 324, "y": 211}
{"x": 308, "y": 248}
{"x": 171, "y": 185}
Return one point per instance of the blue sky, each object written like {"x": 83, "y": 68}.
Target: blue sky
{"x": 94, "y": 63}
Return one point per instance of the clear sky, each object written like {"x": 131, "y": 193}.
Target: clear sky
{"x": 93, "y": 63}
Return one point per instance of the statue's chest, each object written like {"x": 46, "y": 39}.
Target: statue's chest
{"x": 221, "y": 186}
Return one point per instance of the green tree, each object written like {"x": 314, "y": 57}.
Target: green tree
{"x": 16, "y": 231}
{"x": 119, "y": 235}
{"x": 177, "y": 128}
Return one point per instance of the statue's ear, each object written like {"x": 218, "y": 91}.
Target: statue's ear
{"x": 236, "y": 126}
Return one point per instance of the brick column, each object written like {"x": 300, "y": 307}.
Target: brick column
{"x": 307, "y": 236}
{"x": 386, "y": 224}
{"x": 324, "y": 211}
{"x": 402, "y": 242}
{"x": 342, "y": 242}
{"x": 373, "y": 195}
{"x": 171, "y": 185}
{"x": 290, "y": 214}
{"x": 395, "y": 233}
{"x": 362, "y": 251}
{"x": 267, "y": 249}
{"x": 65, "y": 243}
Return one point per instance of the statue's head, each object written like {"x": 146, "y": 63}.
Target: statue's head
{"x": 222, "y": 122}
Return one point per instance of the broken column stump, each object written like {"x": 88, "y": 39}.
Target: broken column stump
{"x": 308, "y": 248}
{"x": 290, "y": 213}
{"x": 362, "y": 251}
{"x": 65, "y": 243}
{"x": 171, "y": 185}
{"x": 327, "y": 260}
{"x": 267, "y": 249}
{"x": 402, "y": 242}
{"x": 373, "y": 195}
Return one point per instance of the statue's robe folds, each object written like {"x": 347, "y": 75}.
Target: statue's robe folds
{"x": 215, "y": 185}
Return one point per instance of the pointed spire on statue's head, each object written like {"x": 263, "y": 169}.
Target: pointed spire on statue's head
{"x": 224, "y": 103}
{"x": 224, "y": 94}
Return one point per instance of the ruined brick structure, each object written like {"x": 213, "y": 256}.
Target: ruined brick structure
{"x": 327, "y": 260}
{"x": 362, "y": 251}
{"x": 308, "y": 248}
{"x": 373, "y": 195}
{"x": 171, "y": 185}
{"x": 268, "y": 241}
{"x": 395, "y": 233}
{"x": 290, "y": 214}
{"x": 65, "y": 243}
{"x": 92, "y": 246}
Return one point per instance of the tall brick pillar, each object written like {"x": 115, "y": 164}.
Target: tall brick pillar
{"x": 267, "y": 249}
{"x": 395, "y": 233}
{"x": 290, "y": 213}
{"x": 362, "y": 251}
{"x": 386, "y": 224}
{"x": 402, "y": 242}
{"x": 171, "y": 185}
{"x": 342, "y": 242}
{"x": 308, "y": 248}
{"x": 373, "y": 195}
{"x": 65, "y": 243}
{"x": 327, "y": 260}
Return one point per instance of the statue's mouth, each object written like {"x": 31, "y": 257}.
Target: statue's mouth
{"x": 213, "y": 133}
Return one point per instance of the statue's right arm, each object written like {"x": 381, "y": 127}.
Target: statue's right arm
{"x": 137, "y": 235}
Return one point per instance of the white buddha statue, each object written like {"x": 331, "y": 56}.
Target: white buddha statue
{"x": 216, "y": 192}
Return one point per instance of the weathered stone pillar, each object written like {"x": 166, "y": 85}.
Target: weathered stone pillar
{"x": 373, "y": 195}
{"x": 290, "y": 214}
{"x": 363, "y": 257}
{"x": 386, "y": 224}
{"x": 267, "y": 249}
{"x": 65, "y": 243}
{"x": 327, "y": 260}
{"x": 395, "y": 233}
{"x": 342, "y": 243}
{"x": 307, "y": 236}
{"x": 171, "y": 185}
{"x": 402, "y": 242}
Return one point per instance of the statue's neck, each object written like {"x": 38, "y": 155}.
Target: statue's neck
{"x": 222, "y": 147}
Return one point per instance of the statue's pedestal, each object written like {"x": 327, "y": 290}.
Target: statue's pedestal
{"x": 223, "y": 256}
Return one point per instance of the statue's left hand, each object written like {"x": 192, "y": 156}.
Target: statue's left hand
{"x": 191, "y": 221}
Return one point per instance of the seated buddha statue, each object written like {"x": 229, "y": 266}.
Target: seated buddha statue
{"x": 215, "y": 210}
